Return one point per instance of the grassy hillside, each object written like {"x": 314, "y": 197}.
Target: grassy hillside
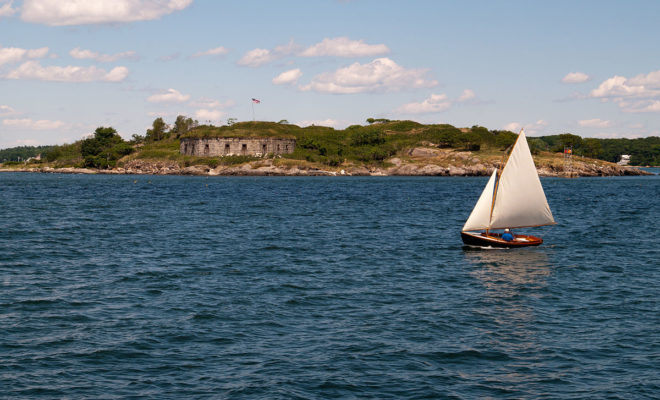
{"x": 368, "y": 145}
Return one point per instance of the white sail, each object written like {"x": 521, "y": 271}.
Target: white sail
{"x": 480, "y": 217}
{"x": 519, "y": 200}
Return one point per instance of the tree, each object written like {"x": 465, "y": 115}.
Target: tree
{"x": 182, "y": 125}
{"x": 157, "y": 131}
{"x": 591, "y": 147}
{"x": 569, "y": 140}
{"x": 104, "y": 148}
{"x": 283, "y": 121}
{"x": 231, "y": 121}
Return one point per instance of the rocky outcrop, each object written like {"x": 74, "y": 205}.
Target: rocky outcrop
{"x": 422, "y": 162}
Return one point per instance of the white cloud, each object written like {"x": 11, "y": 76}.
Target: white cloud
{"x": 638, "y": 94}
{"x": 6, "y": 10}
{"x": 382, "y": 74}
{"x": 530, "y": 128}
{"x": 619, "y": 86}
{"x": 208, "y": 115}
{"x": 30, "y": 124}
{"x": 212, "y": 103}
{"x": 344, "y": 47}
{"x": 169, "y": 96}
{"x": 259, "y": 57}
{"x": 289, "y": 77}
{"x": 16, "y": 54}
{"x": 218, "y": 51}
{"x": 256, "y": 58}
{"x": 575, "y": 77}
{"x": 6, "y": 110}
{"x": 434, "y": 104}
{"x": 467, "y": 95}
{"x": 34, "y": 70}
{"x": 640, "y": 106}
{"x": 594, "y": 123}
{"x": 79, "y": 12}
{"x": 512, "y": 126}
{"x": 333, "y": 123}
{"x": 652, "y": 79}
{"x": 88, "y": 54}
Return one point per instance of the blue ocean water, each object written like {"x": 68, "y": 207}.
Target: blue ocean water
{"x": 284, "y": 288}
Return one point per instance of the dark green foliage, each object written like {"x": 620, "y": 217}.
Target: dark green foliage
{"x": 182, "y": 125}
{"x": 66, "y": 154}
{"x": 504, "y": 139}
{"x": 644, "y": 151}
{"x": 157, "y": 131}
{"x": 378, "y": 120}
{"x": 23, "y": 152}
{"x": 365, "y": 137}
{"x": 104, "y": 149}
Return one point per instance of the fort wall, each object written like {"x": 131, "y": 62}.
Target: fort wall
{"x": 218, "y": 147}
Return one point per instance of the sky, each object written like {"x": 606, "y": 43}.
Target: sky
{"x": 591, "y": 68}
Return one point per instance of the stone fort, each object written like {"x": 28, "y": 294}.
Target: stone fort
{"x": 235, "y": 146}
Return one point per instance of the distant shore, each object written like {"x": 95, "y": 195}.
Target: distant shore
{"x": 395, "y": 167}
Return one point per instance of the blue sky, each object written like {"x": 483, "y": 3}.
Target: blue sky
{"x": 66, "y": 67}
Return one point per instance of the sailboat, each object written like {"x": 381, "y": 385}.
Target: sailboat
{"x": 511, "y": 199}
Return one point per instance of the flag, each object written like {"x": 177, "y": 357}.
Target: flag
{"x": 256, "y": 101}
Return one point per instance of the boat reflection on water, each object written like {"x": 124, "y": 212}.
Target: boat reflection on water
{"x": 503, "y": 268}
{"x": 510, "y": 310}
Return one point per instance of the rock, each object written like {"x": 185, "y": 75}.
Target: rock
{"x": 423, "y": 152}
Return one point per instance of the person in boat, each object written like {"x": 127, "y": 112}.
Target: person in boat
{"x": 507, "y": 235}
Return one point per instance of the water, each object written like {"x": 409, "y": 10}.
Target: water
{"x": 173, "y": 287}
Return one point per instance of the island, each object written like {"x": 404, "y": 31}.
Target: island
{"x": 379, "y": 148}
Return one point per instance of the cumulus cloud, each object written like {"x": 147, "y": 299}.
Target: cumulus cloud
{"x": 217, "y": 51}
{"x": 80, "y": 54}
{"x": 289, "y": 77}
{"x": 34, "y": 70}
{"x": 638, "y": 94}
{"x": 467, "y": 95}
{"x": 575, "y": 77}
{"x": 530, "y": 128}
{"x": 16, "y": 54}
{"x": 335, "y": 47}
{"x": 169, "y": 96}
{"x": 6, "y": 110}
{"x": 259, "y": 57}
{"x": 256, "y": 58}
{"x": 212, "y": 103}
{"x": 77, "y": 12}
{"x": 29, "y": 124}
{"x": 619, "y": 86}
{"x": 380, "y": 75}
{"x": 640, "y": 106}
{"x": 6, "y": 9}
{"x": 208, "y": 115}
{"x": 434, "y": 104}
{"x": 344, "y": 47}
{"x": 594, "y": 123}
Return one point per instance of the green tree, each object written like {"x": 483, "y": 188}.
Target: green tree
{"x": 591, "y": 147}
{"x": 182, "y": 125}
{"x": 157, "y": 131}
{"x": 104, "y": 148}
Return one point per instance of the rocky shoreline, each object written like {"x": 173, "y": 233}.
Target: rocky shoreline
{"x": 397, "y": 167}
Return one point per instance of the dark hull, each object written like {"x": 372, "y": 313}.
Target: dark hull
{"x": 495, "y": 240}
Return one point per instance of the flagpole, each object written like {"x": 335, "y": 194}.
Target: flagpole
{"x": 252, "y": 101}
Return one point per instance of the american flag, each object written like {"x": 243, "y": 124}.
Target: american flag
{"x": 256, "y": 101}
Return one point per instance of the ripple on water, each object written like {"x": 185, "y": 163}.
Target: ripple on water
{"x": 321, "y": 288}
